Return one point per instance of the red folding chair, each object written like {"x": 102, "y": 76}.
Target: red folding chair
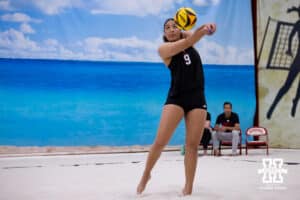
{"x": 261, "y": 134}
{"x": 229, "y": 143}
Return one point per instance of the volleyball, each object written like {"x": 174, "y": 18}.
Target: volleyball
{"x": 185, "y": 18}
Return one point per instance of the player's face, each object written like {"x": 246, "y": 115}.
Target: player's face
{"x": 172, "y": 32}
{"x": 227, "y": 109}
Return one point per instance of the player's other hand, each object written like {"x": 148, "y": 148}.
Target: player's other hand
{"x": 210, "y": 28}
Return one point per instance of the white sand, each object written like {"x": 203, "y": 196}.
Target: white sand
{"x": 115, "y": 176}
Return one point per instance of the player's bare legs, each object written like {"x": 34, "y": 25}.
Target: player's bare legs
{"x": 171, "y": 116}
{"x": 194, "y": 120}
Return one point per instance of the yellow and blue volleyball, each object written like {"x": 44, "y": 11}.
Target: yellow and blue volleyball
{"x": 185, "y": 18}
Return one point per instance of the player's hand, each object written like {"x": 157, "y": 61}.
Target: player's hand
{"x": 210, "y": 28}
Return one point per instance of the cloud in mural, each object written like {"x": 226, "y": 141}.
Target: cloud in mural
{"x": 206, "y": 2}
{"x": 41, "y": 29}
{"x": 56, "y": 6}
{"x": 18, "y": 17}
{"x": 16, "y": 41}
{"x": 134, "y": 7}
{"x": 127, "y": 49}
{"x": 26, "y": 28}
{"x": 5, "y": 5}
{"x": 214, "y": 53}
{"x": 118, "y": 7}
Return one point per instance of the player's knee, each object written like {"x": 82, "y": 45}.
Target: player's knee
{"x": 159, "y": 144}
{"x": 192, "y": 146}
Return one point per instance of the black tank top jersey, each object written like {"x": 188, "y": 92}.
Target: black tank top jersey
{"x": 186, "y": 72}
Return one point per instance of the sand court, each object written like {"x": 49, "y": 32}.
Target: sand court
{"x": 115, "y": 176}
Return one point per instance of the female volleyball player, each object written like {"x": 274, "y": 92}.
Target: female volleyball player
{"x": 185, "y": 98}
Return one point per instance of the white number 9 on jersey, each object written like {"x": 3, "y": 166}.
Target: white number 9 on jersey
{"x": 187, "y": 59}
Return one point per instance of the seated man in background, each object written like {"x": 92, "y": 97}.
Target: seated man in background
{"x": 206, "y": 133}
{"x": 227, "y": 127}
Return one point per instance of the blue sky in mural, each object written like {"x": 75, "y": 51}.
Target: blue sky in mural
{"x": 119, "y": 30}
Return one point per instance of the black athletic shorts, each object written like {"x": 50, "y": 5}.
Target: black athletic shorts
{"x": 188, "y": 100}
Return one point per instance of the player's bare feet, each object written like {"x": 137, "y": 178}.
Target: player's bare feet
{"x": 186, "y": 191}
{"x": 142, "y": 185}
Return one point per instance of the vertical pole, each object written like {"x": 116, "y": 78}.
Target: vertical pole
{"x": 254, "y": 25}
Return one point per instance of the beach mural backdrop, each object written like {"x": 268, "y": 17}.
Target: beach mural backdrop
{"x": 278, "y": 51}
{"x": 88, "y": 73}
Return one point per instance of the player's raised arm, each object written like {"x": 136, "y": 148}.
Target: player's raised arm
{"x": 171, "y": 48}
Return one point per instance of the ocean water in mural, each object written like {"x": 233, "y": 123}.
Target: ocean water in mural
{"x": 52, "y": 102}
